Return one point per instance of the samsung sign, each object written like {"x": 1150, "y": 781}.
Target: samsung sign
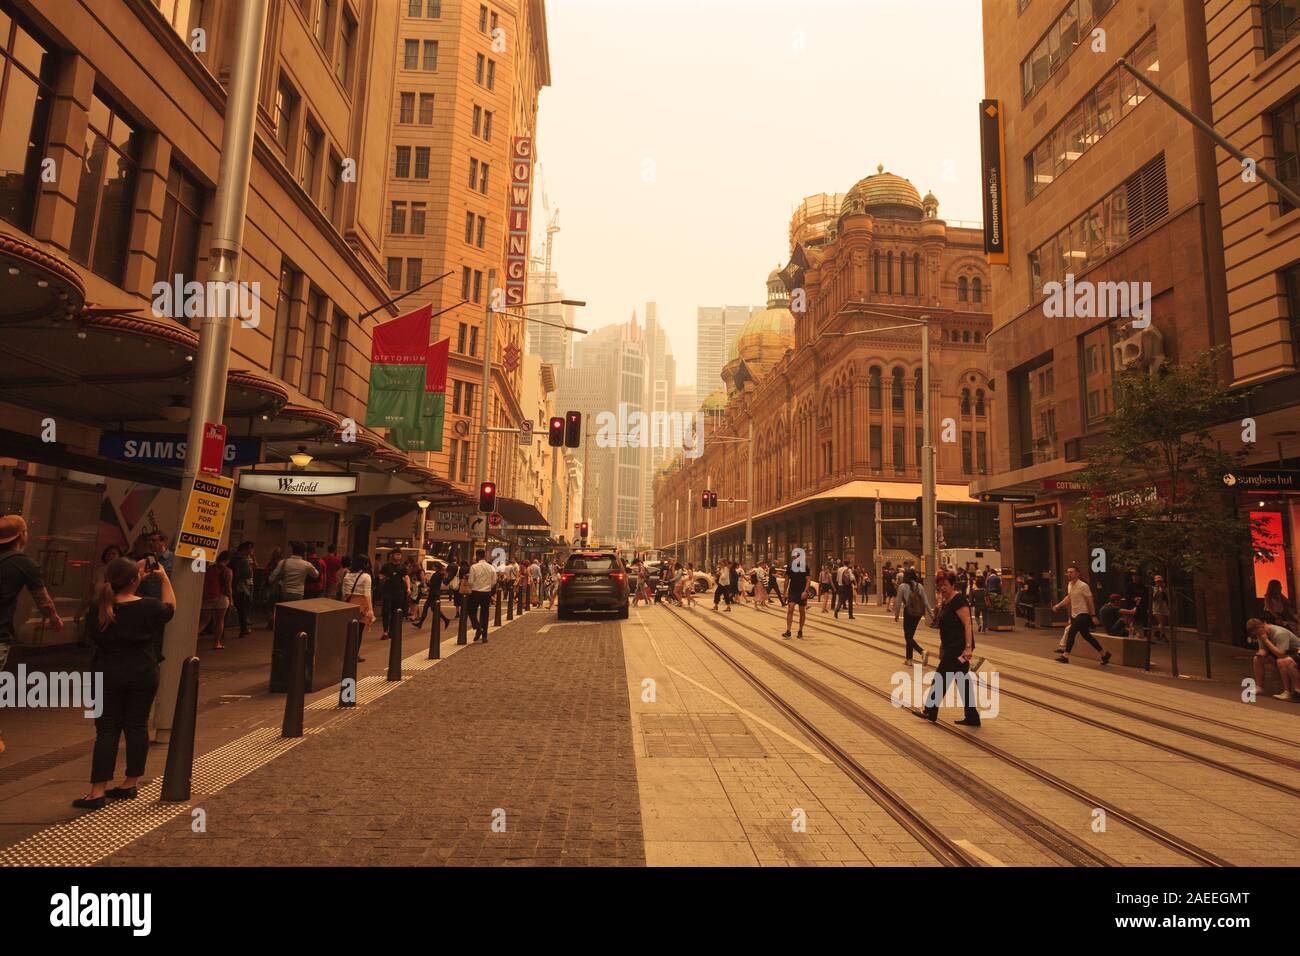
{"x": 169, "y": 450}
{"x": 297, "y": 483}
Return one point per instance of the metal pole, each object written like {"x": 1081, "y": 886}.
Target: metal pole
{"x": 880, "y": 554}
{"x": 424, "y": 517}
{"x": 677, "y": 526}
{"x": 689, "y": 499}
{"x": 212, "y": 364}
{"x": 927, "y": 467}
{"x": 586, "y": 464}
{"x": 486, "y": 391}
{"x": 749, "y": 507}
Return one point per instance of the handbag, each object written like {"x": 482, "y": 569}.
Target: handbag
{"x": 463, "y": 589}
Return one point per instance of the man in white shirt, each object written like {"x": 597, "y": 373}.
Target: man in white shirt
{"x": 845, "y": 579}
{"x": 1083, "y": 614}
{"x": 535, "y": 582}
{"x": 482, "y": 582}
{"x": 1278, "y": 649}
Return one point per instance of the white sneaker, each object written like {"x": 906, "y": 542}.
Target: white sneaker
{"x": 1284, "y": 696}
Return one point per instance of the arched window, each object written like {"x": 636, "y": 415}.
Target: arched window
{"x": 956, "y": 336}
{"x": 916, "y": 275}
{"x": 873, "y": 385}
{"x": 979, "y": 403}
{"x": 902, "y": 274}
{"x": 897, "y": 390}
{"x": 977, "y": 289}
{"x": 979, "y": 337}
{"x": 889, "y": 272}
{"x": 961, "y": 289}
{"x": 965, "y": 335}
{"x": 875, "y": 271}
{"x": 965, "y": 401}
{"x": 918, "y": 390}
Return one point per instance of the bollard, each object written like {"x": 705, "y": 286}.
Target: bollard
{"x": 497, "y": 621}
{"x": 461, "y": 615}
{"x": 435, "y": 635}
{"x": 180, "y": 749}
{"x": 510, "y": 605}
{"x": 395, "y": 648}
{"x": 528, "y": 597}
{"x": 296, "y": 696}
{"x": 351, "y": 651}
{"x": 519, "y": 599}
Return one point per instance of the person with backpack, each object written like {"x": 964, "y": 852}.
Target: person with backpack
{"x": 914, "y": 604}
{"x": 395, "y": 591}
{"x": 845, "y": 582}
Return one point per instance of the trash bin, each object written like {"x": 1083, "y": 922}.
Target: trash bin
{"x": 326, "y": 623}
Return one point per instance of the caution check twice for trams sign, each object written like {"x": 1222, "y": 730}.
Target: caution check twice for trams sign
{"x": 205, "y": 517}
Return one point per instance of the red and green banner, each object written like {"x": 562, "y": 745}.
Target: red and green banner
{"x": 427, "y": 434}
{"x": 398, "y": 352}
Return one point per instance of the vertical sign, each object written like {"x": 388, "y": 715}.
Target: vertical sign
{"x": 993, "y": 171}
{"x": 521, "y": 179}
{"x": 213, "y": 452}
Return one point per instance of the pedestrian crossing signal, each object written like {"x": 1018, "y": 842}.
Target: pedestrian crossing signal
{"x": 572, "y": 429}
{"x": 713, "y": 499}
{"x": 487, "y": 497}
{"x": 708, "y": 499}
{"x": 556, "y": 436}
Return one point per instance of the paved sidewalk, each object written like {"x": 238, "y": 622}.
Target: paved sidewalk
{"x": 529, "y": 732}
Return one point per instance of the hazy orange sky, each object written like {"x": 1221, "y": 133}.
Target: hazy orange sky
{"x": 678, "y": 135}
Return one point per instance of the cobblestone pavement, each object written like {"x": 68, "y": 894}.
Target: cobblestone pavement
{"x": 517, "y": 752}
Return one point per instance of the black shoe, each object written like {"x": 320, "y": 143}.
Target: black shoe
{"x": 924, "y": 716}
{"x": 800, "y": 635}
{"x": 785, "y": 633}
{"x": 967, "y": 723}
{"x": 1062, "y": 659}
{"x": 122, "y": 793}
{"x": 88, "y": 803}
{"x": 418, "y": 624}
{"x": 1105, "y": 658}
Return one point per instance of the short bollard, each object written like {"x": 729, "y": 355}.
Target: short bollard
{"x": 180, "y": 749}
{"x": 510, "y": 605}
{"x": 296, "y": 696}
{"x": 351, "y": 651}
{"x": 395, "y": 648}
{"x": 528, "y": 597}
{"x": 497, "y": 617}
{"x": 519, "y": 599}
{"x": 462, "y": 620}
{"x": 435, "y": 634}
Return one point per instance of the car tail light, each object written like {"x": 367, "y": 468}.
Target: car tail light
{"x": 616, "y": 575}
{"x": 565, "y": 577}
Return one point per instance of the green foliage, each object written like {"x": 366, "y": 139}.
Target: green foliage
{"x": 1157, "y": 498}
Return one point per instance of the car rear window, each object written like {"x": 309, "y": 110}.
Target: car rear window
{"x": 590, "y": 562}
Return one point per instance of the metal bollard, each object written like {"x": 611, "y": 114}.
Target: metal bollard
{"x": 510, "y": 605}
{"x": 497, "y": 621}
{"x": 180, "y": 749}
{"x": 435, "y": 634}
{"x": 528, "y": 597}
{"x": 519, "y": 599}
{"x": 395, "y": 648}
{"x": 296, "y": 697}
{"x": 461, "y": 636}
{"x": 351, "y": 651}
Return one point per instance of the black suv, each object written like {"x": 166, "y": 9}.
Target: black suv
{"x": 593, "y": 579}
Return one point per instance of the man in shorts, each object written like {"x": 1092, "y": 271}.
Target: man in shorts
{"x": 796, "y": 594}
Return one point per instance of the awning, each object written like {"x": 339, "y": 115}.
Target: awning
{"x": 518, "y": 512}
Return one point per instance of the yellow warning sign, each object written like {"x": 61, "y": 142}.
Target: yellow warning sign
{"x": 205, "y": 517}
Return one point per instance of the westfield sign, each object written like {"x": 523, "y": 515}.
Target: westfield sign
{"x": 298, "y": 484}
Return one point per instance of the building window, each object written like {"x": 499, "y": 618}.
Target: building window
{"x": 315, "y": 341}
{"x": 977, "y": 289}
{"x": 433, "y": 9}
{"x": 422, "y": 162}
{"x": 482, "y": 19}
{"x": 962, "y": 287}
{"x": 324, "y": 20}
{"x": 902, "y": 274}
{"x": 479, "y": 63}
{"x": 347, "y": 45}
{"x": 873, "y": 387}
{"x": 1291, "y": 279}
{"x": 473, "y": 173}
{"x": 877, "y": 456}
{"x": 979, "y": 403}
{"x": 462, "y": 332}
{"x": 491, "y": 74}
{"x": 477, "y": 122}
{"x": 283, "y": 305}
{"x": 286, "y": 113}
{"x": 178, "y": 247}
{"x": 101, "y": 225}
{"x": 402, "y": 163}
{"x": 183, "y": 15}
{"x": 27, "y": 74}
{"x": 466, "y": 277}
{"x": 494, "y": 23}
{"x": 918, "y": 391}
{"x": 889, "y": 273}
{"x": 916, "y": 275}
{"x": 430, "y": 56}
{"x": 1286, "y": 140}
{"x": 896, "y": 390}
{"x": 397, "y": 221}
{"x": 1281, "y": 23}
{"x": 426, "y": 109}
{"x": 478, "y": 234}
{"x": 963, "y": 405}
{"x": 406, "y": 109}
{"x": 900, "y": 449}
{"x": 469, "y": 228}
{"x": 473, "y": 332}
{"x": 981, "y": 453}
{"x": 483, "y": 178}
{"x": 394, "y": 274}
{"x": 965, "y": 453}
{"x": 336, "y": 362}
{"x": 309, "y": 175}
{"x": 875, "y": 271}
{"x": 1055, "y": 47}
{"x": 478, "y": 290}
{"x": 417, "y": 218}
{"x": 487, "y": 125}
{"x": 410, "y": 54}
{"x": 414, "y": 274}
{"x": 330, "y": 197}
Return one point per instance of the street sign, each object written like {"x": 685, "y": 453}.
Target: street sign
{"x": 205, "y": 517}
{"x": 526, "y": 433}
{"x": 213, "y": 449}
{"x": 1008, "y": 499}
{"x": 494, "y": 519}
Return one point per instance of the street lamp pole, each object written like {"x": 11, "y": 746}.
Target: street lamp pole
{"x": 749, "y": 507}
{"x": 489, "y": 311}
{"x": 212, "y": 364}
{"x": 423, "y": 505}
{"x": 928, "y": 495}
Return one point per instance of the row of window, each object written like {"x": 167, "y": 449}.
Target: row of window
{"x": 1074, "y": 22}
{"x": 471, "y": 286}
{"x": 398, "y": 224}
{"x": 1285, "y": 123}
{"x": 482, "y": 124}
{"x": 412, "y": 59}
{"x": 971, "y": 290}
{"x": 888, "y": 281}
{"x": 406, "y": 108}
{"x": 1123, "y": 214}
{"x": 324, "y": 328}
{"x": 485, "y": 71}
{"x": 426, "y": 9}
{"x": 323, "y": 186}
{"x": 478, "y": 174}
{"x": 1117, "y": 95}
{"x": 336, "y": 32}
{"x": 474, "y": 229}
{"x": 1281, "y": 23}
{"x": 402, "y": 162}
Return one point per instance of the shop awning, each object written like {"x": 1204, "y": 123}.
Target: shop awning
{"x": 521, "y": 513}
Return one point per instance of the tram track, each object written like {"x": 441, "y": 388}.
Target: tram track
{"x": 1052, "y": 838}
{"x": 1278, "y": 759}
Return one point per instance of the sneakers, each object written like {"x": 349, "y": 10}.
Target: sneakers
{"x": 1105, "y": 658}
{"x": 1062, "y": 659}
{"x": 800, "y": 635}
{"x": 786, "y": 635}
{"x": 1293, "y": 698}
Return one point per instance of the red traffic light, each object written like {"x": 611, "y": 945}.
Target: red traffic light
{"x": 556, "y": 435}
{"x": 582, "y": 530}
{"x": 704, "y": 499}
{"x": 487, "y": 497}
{"x": 572, "y": 429}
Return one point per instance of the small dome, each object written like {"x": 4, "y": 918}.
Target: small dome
{"x": 764, "y": 338}
{"x": 714, "y": 403}
{"x": 884, "y": 194}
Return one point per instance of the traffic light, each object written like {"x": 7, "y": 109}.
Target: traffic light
{"x": 713, "y": 499}
{"x": 572, "y": 429}
{"x": 487, "y": 497}
{"x": 704, "y": 498}
{"x": 920, "y": 512}
{"x": 556, "y": 436}
{"x": 582, "y": 530}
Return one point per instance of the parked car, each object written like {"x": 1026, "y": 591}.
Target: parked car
{"x": 593, "y": 579}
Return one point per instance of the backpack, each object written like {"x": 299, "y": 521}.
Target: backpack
{"x": 915, "y": 603}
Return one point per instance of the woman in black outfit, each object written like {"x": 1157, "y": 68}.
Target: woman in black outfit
{"x": 434, "y": 599}
{"x": 956, "y": 645}
{"x": 123, "y": 628}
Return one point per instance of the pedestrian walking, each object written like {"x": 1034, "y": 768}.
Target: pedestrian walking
{"x": 796, "y": 595}
{"x": 218, "y": 595}
{"x": 332, "y": 565}
{"x": 394, "y": 591}
{"x": 552, "y": 578}
{"x": 723, "y": 589}
{"x": 761, "y": 577}
{"x": 1083, "y": 614}
{"x": 914, "y": 604}
{"x": 956, "y": 646}
{"x": 824, "y": 590}
{"x": 845, "y": 582}
{"x": 314, "y": 587}
{"x": 434, "y": 584}
{"x": 293, "y": 573}
{"x": 19, "y": 572}
{"x": 123, "y": 627}
{"x": 241, "y": 568}
{"x": 978, "y": 597}
{"x": 890, "y": 588}
{"x": 481, "y": 581}
{"x": 358, "y": 588}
